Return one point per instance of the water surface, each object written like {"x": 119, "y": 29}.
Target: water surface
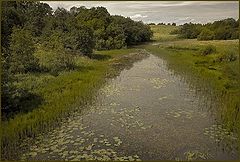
{"x": 146, "y": 113}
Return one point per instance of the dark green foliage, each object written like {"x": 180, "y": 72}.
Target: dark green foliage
{"x": 135, "y": 32}
{"x": 161, "y": 24}
{"x": 21, "y": 52}
{"x": 209, "y": 49}
{"x": 190, "y": 30}
{"x": 151, "y": 24}
{"x": 10, "y": 17}
{"x": 206, "y": 34}
{"x": 34, "y": 38}
{"x": 52, "y": 56}
{"x": 218, "y": 30}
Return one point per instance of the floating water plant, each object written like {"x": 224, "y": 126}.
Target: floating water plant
{"x": 218, "y": 133}
{"x": 158, "y": 82}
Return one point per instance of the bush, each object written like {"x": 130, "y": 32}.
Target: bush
{"x": 209, "y": 49}
{"x": 53, "y": 56}
{"x": 53, "y": 60}
{"x": 12, "y": 99}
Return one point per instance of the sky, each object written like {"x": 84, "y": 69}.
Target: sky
{"x": 179, "y": 12}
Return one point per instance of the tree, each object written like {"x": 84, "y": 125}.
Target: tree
{"x": 206, "y": 34}
{"x": 151, "y": 24}
{"x": 115, "y": 36}
{"x": 52, "y": 56}
{"x": 21, "y": 51}
{"x": 135, "y": 32}
{"x": 84, "y": 40}
{"x": 190, "y": 30}
{"x": 222, "y": 30}
{"x": 10, "y": 17}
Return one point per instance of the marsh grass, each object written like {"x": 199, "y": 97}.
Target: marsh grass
{"x": 61, "y": 94}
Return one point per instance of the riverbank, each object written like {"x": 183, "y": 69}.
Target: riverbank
{"x": 212, "y": 67}
{"x": 58, "y": 95}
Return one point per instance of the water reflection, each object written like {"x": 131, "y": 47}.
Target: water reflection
{"x": 148, "y": 112}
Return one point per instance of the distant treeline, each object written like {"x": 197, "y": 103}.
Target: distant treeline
{"x": 94, "y": 26}
{"x": 173, "y": 24}
{"x": 218, "y": 30}
{"x": 37, "y": 39}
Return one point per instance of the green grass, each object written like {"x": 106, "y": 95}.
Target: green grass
{"x": 162, "y": 32}
{"x": 61, "y": 94}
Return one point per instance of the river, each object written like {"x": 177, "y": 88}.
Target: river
{"x": 145, "y": 113}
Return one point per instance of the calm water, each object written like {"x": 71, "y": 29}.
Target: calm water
{"x": 146, "y": 113}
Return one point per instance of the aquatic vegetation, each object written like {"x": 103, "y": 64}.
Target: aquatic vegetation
{"x": 162, "y": 98}
{"x": 195, "y": 155}
{"x": 188, "y": 114}
{"x": 218, "y": 133}
{"x": 111, "y": 90}
{"x": 74, "y": 142}
{"x": 158, "y": 82}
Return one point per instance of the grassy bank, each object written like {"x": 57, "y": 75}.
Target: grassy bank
{"x": 58, "y": 95}
{"x": 212, "y": 66}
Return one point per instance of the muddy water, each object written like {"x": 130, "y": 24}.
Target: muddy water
{"x": 146, "y": 113}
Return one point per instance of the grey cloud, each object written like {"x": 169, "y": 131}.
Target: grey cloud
{"x": 162, "y": 11}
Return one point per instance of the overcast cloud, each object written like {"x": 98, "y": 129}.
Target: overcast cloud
{"x": 162, "y": 11}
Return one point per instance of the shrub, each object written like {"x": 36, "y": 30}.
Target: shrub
{"x": 12, "y": 97}
{"x": 53, "y": 56}
{"x": 209, "y": 49}
{"x": 53, "y": 60}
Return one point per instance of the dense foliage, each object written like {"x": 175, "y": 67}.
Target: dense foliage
{"x": 218, "y": 30}
{"x": 37, "y": 39}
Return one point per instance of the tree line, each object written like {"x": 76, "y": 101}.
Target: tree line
{"x": 37, "y": 39}
{"x": 173, "y": 24}
{"x": 218, "y": 30}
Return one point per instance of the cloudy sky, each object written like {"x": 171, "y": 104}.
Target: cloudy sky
{"x": 162, "y": 11}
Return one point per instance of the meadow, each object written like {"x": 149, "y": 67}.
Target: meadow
{"x": 162, "y": 32}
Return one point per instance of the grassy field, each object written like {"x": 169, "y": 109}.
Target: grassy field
{"x": 58, "y": 95}
{"x": 222, "y": 64}
{"x": 162, "y": 32}
{"x": 209, "y": 65}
